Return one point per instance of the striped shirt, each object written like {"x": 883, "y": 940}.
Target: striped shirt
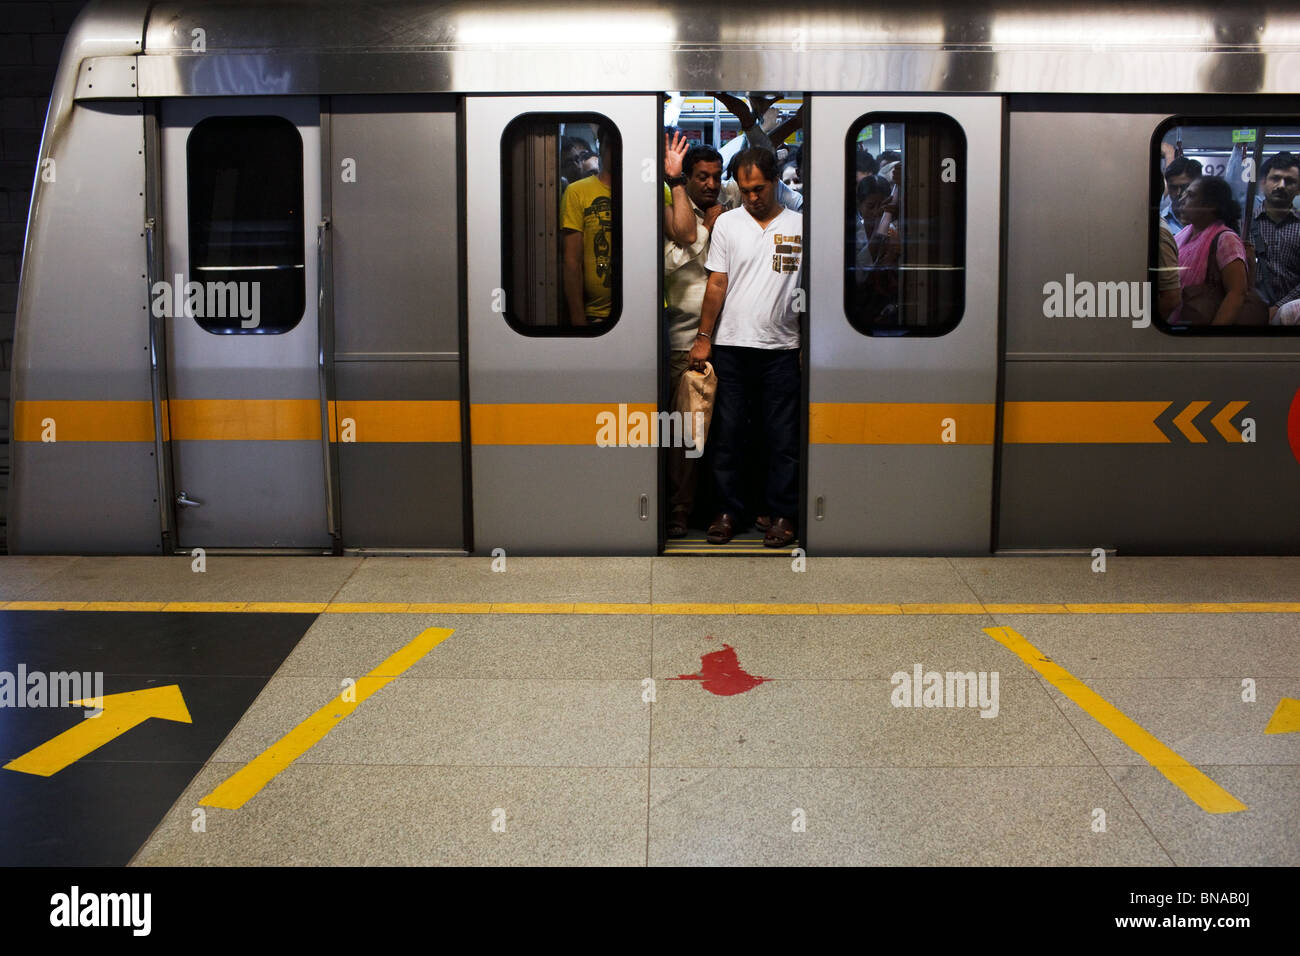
{"x": 1278, "y": 247}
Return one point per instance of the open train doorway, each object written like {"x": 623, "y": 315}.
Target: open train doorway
{"x": 734, "y": 299}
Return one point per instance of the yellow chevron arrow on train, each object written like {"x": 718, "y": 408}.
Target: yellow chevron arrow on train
{"x": 1184, "y": 421}
{"x": 1286, "y": 719}
{"x": 1223, "y": 421}
{"x": 122, "y": 712}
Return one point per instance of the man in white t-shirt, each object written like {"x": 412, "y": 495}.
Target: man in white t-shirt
{"x": 749, "y": 327}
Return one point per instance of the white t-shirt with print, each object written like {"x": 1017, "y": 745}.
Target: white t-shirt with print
{"x": 763, "y": 266}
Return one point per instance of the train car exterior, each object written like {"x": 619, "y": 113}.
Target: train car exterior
{"x": 388, "y": 398}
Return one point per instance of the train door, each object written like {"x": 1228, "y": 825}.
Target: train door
{"x": 903, "y": 317}
{"x": 394, "y": 252}
{"x": 239, "y": 295}
{"x": 562, "y": 201}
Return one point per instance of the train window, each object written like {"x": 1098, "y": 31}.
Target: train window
{"x": 1225, "y": 212}
{"x": 905, "y": 250}
{"x": 245, "y": 224}
{"x": 561, "y": 234}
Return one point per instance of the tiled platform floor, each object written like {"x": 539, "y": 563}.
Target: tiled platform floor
{"x": 542, "y": 719}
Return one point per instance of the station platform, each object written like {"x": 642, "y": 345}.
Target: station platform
{"x": 653, "y": 711}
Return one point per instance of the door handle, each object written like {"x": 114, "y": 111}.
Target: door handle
{"x": 185, "y": 501}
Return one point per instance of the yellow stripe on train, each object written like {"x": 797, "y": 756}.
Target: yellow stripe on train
{"x": 829, "y": 423}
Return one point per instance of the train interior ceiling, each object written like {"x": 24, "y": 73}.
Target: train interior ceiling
{"x": 453, "y": 357}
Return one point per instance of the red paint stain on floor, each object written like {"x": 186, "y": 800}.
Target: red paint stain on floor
{"x": 721, "y": 674}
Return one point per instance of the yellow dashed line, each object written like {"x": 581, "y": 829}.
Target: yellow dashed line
{"x": 612, "y": 608}
{"x": 795, "y": 610}
{"x": 282, "y": 607}
{"x": 124, "y": 605}
{"x": 1108, "y": 608}
{"x": 366, "y": 608}
{"x": 775, "y": 609}
{"x": 859, "y": 609}
{"x": 942, "y": 608}
{"x": 1026, "y": 609}
{"x": 1207, "y": 794}
{"x": 201, "y": 606}
{"x": 694, "y": 608}
{"x": 449, "y": 609}
{"x": 1275, "y": 607}
{"x": 532, "y": 608}
{"x": 45, "y": 605}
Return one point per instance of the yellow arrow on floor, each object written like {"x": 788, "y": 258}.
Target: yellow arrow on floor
{"x": 1286, "y": 719}
{"x": 121, "y": 713}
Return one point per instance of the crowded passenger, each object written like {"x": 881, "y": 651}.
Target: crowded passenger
{"x": 749, "y": 327}
{"x": 1169, "y": 288}
{"x": 876, "y": 248}
{"x": 575, "y": 157}
{"x": 1211, "y": 257}
{"x": 679, "y": 217}
{"x": 586, "y": 223}
{"x": 755, "y": 135}
{"x": 1275, "y": 234}
{"x": 685, "y": 279}
{"x": 864, "y": 164}
{"x": 792, "y": 169}
{"x": 1178, "y": 175}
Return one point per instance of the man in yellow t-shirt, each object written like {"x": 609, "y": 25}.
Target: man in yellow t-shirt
{"x": 586, "y": 223}
{"x": 586, "y": 220}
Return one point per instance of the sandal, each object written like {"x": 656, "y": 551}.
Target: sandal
{"x": 677, "y": 524}
{"x": 722, "y": 529}
{"x": 780, "y": 534}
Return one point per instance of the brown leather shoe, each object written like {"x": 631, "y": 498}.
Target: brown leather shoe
{"x": 780, "y": 535}
{"x": 677, "y": 524}
{"x": 722, "y": 529}
{"x": 763, "y": 522}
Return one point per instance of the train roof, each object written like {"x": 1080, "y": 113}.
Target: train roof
{"x": 329, "y": 46}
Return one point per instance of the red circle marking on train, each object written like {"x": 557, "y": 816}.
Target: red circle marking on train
{"x": 1293, "y": 425}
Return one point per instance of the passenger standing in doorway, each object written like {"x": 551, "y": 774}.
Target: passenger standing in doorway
{"x": 749, "y": 326}
{"x": 586, "y": 222}
{"x": 685, "y": 279}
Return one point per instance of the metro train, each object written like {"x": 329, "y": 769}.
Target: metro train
{"x": 370, "y": 189}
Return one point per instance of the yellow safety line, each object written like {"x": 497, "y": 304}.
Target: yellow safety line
{"x": 249, "y": 780}
{"x": 565, "y": 607}
{"x": 1207, "y": 794}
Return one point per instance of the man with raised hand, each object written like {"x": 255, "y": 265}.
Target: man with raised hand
{"x": 685, "y": 279}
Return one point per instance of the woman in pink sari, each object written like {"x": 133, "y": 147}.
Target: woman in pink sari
{"x": 1210, "y": 211}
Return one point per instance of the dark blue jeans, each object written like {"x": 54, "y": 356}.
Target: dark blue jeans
{"x": 770, "y": 377}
